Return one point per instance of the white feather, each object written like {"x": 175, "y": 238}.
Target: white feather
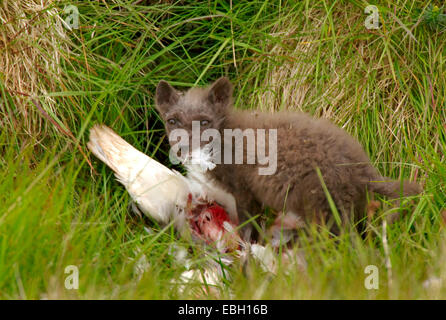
{"x": 197, "y": 164}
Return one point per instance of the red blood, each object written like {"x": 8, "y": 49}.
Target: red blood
{"x": 206, "y": 219}
{"x": 219, "y": 214}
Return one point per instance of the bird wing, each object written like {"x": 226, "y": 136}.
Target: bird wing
{"x": 156, "y": 189}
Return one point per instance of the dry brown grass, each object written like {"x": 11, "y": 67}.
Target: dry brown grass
{"x": 291, "y": 82}
{"x": 290, "y": 75}
{"x": 287, "y": 73}
{"x": 32, "y": 37}
{"x": 322, "y": 64}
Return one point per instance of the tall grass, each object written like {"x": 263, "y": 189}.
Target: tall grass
{"x": 61, "y": 207}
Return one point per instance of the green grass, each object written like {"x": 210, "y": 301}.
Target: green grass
{"x": 385, "y": 88}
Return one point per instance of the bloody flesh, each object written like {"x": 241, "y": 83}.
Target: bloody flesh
{"x": 207, "y": 220}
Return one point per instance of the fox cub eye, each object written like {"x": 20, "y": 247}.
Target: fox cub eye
{"x": 172, "y": 121}
{"x": 204, "y": 122}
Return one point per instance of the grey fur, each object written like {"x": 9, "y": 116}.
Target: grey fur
{"x": 304, "y": 144}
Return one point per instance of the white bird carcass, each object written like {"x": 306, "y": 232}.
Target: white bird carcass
{"x": 195, "y": 206}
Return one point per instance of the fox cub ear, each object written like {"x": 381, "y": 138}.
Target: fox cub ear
{"x": 220, "y": 93}
{"x": 166, "y": 96}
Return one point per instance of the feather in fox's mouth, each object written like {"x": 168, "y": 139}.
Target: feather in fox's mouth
{"x": 210, "y": 222}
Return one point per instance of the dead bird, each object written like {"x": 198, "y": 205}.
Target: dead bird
{"x": 196, "y": 209}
